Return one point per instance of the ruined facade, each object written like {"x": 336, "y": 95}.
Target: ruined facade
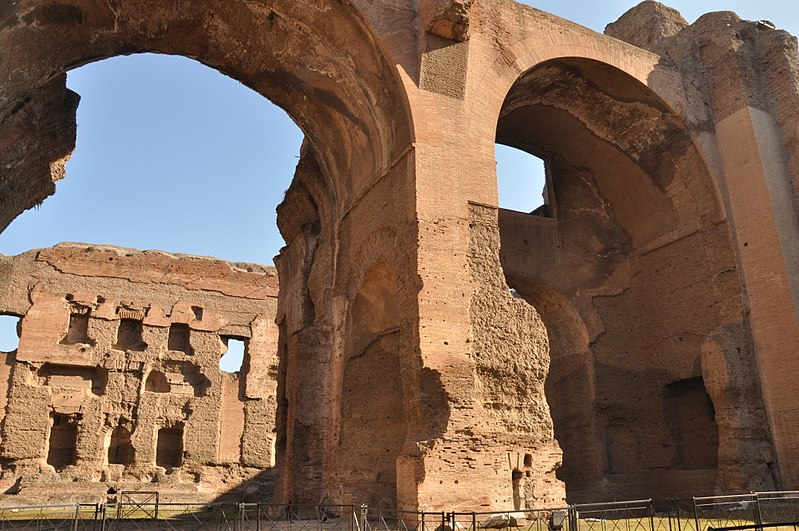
{"x": 646, "y": 349}
{"x": 116, "y": 382}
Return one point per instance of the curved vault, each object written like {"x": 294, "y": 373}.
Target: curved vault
{"x": 638, "y": 263}
{"x": 319, "y": 62}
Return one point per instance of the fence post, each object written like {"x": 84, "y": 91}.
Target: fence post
{"x": 102, "y": 524}
{"x": 574, "y": 516}
{"x": 364, "y": 510}
{"x": 474, "y": 522}
{"x": 651, "y": 515}
{"x": 696, "y": 514}
{"x": 758, "y": 513}
{"x": 77, "y": 514}
{"x": 258, "y": 514}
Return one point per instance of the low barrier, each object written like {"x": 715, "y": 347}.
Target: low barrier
{"x": 771, "y": 511}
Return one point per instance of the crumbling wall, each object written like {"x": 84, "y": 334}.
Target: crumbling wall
{"x": 640, "y": 249}
{"x": 116, "y": 381}
{"x": 670, "y": 260}
{"x": 747, "y": 74}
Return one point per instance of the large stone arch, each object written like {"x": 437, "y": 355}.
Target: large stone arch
{"x": 638, "y": 244}
{"x": 318, "y": 61}
{"x": 540, "y": 39}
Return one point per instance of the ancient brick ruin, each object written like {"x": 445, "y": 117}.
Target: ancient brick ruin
{"x": 116, "y": 382}
{"x": 646, "y": 348}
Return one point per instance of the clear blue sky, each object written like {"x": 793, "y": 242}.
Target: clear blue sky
{"x": 173, "y": 155}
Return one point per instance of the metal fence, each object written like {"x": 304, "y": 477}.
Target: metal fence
{"x": 765, "y": 511}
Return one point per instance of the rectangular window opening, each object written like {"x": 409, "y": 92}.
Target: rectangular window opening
{"x": 78, "y": 329}
{"x": 63, "y": 439}
{"x": 169, "y": 448}
{"x": 129, "y": 335}
{"x": 232, "y": 361}
{"x": 524, "y": 182}
{"x": 179, "y": 338}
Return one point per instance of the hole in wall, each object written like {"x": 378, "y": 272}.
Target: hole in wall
{"x": 233, "y": 359}
{"x": 129, "y": 335}
{"x": 60, "y": 376}
{"x": 169, "y": 448}
{"x": 63, "y": 440}
{"x": 521, "y": 181}
{"x": 179, "y": 338}
{"x": 9, "y": 333}
{"x": 120, "y": 449}
{"x": 157, "y": 383}
{"x": 78, "y": 328}
{"x": 691, "y": 420}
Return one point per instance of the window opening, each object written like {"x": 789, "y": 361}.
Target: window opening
{"x": 120, "y": 449}
{"x": 78, "y": 329}
{"x": 169, "y": 449}
{"x": 179, "y": 338}
{"x": 63, "y": 439}
{"x": 9, "y": 337}
{"x": 233, "y": 360}
{"x": 129, "y": 335}
{"x": 522, "y": 181}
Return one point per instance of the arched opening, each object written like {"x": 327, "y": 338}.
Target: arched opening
{"x": 9, "y": 337}
{"x": 185, "y": 127}
{"x": 626, "y": 276}
{"x": 342, "y": 92}
{"x": 373, "y": 427}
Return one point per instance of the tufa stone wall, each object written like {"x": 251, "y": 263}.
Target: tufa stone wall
{"x": 116, "y": 382}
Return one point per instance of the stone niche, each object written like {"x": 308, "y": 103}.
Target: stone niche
{"x": 118, "y": 384}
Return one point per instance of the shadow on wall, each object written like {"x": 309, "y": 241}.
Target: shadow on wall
{"x": 630, "y": 276}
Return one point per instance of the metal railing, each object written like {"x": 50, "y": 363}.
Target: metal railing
{"x": 756, "y": 511}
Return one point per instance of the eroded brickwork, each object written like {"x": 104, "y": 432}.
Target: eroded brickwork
{"x": 116, "y": 382}
{"x": 644, "y": 350}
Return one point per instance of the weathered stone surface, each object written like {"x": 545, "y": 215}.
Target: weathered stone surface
{"x": 396, "y": 366}
{"x": 448, "y": 18}
{"x": 121, "y": 345}
{"x": 647, "y": 25}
